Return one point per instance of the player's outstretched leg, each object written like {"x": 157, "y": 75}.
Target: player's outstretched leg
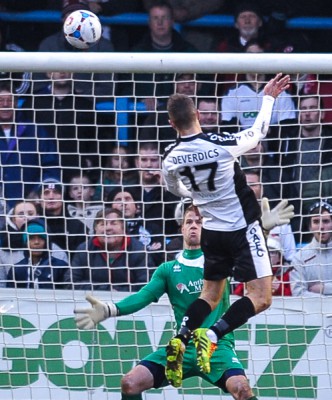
{"x": 174, "y": 360}
{"x": 204, "y": 349}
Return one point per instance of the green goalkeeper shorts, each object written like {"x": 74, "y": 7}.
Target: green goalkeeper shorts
{"x": 223, "y": 359}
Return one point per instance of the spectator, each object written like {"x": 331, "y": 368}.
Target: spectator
{"x": 28, "y": 153}
{"x": 12, "y": 245}
{"x": 248, "y": 38}
{"x": 127, "y": 201}
{"x": 158, "y": 203}
{"x": 312, "y": 273}
{"x": 17, "y": 217}
{"x": 109, "y": 260}
{"x": 269, "y": 175}
{"x": 321, "y": 85}
{"x": 175, "y": 244}
{"x": 70, "y": 118}
{"x": 67, "y": 232}
{"x": 34, "y": 31}
{"x": 283, "y": 232}
{"x": 281, "y": 270}
{"x": 306, "y": 158}
{"x": 188, "y": 10}
{"x": 118, "y": 170}
{"x": 3, "y": 210}
{"x": 282, "y": 39}
{"x": 97, "y": 84}
{"x": 162, "y": 37}
{"x": 208, "y": 114}
{"x": 38, "y": 269}
{"x": 248, "y": 24}
{"x": 21, "y": 80}
{"x": 81, "y": 192}
{"x": 240, "y": 106}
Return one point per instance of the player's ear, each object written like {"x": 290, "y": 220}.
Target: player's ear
{"x": 172, "y": 124}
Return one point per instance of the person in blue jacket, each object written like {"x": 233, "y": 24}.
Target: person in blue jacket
{"x": 27, "y": 152}
{"x": 38, "y": 269}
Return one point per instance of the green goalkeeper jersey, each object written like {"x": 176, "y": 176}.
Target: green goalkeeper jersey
{"x": 182, "y": 281}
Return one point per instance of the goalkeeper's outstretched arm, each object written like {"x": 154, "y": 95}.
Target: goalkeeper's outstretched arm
{"x": 88, "y": 318}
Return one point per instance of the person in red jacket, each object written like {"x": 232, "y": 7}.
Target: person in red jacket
{"x": 280, "y": 284}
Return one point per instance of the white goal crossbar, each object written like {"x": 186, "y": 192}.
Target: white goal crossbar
{"x": 166, "y": 62}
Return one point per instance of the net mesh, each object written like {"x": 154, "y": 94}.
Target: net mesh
{"x": 75, "y": 147}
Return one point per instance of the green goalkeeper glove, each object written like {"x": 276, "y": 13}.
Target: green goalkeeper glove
{"x": 88, "y": 318}
{"x": 281, "y": 214}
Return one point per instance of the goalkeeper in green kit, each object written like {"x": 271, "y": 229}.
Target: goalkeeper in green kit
{"x": 182, "y": 280}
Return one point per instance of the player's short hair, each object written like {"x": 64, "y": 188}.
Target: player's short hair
{"x": 181, "y": 110}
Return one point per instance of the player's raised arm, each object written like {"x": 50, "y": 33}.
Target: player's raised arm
{"x": 277, "y": 85}
{"x": 88, "y": 318}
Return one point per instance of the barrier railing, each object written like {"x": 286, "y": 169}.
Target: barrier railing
{"x": 215, "y": 20}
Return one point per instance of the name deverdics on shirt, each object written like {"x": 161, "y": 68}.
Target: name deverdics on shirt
{"x": 195, "y": 157}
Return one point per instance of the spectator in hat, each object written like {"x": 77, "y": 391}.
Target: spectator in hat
{"x": 12, "y": 244}
{"x": 248, "y": 24}
{"x": 38, "y": 269}
{"x": 280, "y": 268}
{"x": 97, "y": 84}
{"x": 67, "y": 232}
{"x": 312, "y": 264}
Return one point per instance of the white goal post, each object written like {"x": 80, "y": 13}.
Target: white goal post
{"x": 286, "y": 351}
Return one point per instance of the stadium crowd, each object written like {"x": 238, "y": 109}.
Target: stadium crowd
{"x": 83, "y": 208}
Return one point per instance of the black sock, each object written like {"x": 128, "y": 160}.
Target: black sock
{"x": 253, "y": 398}
{"x": 195, "y": 315}
{"x": 237, "y": 314}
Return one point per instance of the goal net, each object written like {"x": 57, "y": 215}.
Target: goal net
{"x": 82, "y": 137}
